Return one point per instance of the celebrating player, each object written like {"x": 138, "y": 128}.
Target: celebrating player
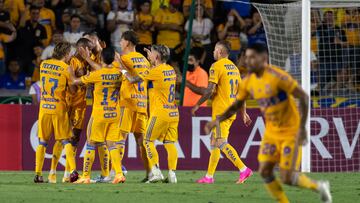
{"x": 104, "y": 121}
{"x": 164, "y": 116}
{"x": 53, "y": 114}
{"x": 274, "y": 91}
{"x": 77, "y": 103}
{"x": 133, "y": 97}
{"x": 223, "y": 84}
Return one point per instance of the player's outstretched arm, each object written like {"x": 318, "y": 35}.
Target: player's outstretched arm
{"x": 132, "y": 79}
{"x": 299, "y": 93}
{"x": 209, "y": 91}
{"x": 196, "y": 89}
{"x": 73, "y": 79}
{"x": 238, "y": 104}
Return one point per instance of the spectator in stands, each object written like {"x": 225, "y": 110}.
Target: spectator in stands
{"x": 208, "y": 4}
{"x": 158, "y": 4}
{"x": 118, "y": 22}
{"x": 38, "y": 49}
{"x": 104, "y": 10}
{"x": 16, "y": 9}
{"x": 201, "y": 30}
{"x": 14, "y": 79}
{"x": 256, "y": 34}
{"x": 35, "y": 93}
{"x": 29, "y": 35}
{"x": 169, "y": 23}
{"x": 46, "y": 19}
{"x": 48, "y": 51}
{"x": 74, "y": 33}
{"x": 241, "y": 63}
{"x": 230, "y": 31}
{"x": 5, "y": 25}
{"x": 88, "y": 18}
{"x": 144, "y": 26}
{"x": 315, "y": 21}
{"x": 351, "y": 26}
{"x": 196, "y": 79}
{"x": 314, "y": 75}
{"x": 342, "y": 86}
{"x": 331, "y": 41}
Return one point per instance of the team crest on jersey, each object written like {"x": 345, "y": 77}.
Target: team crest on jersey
{"x": 212, "y": 72}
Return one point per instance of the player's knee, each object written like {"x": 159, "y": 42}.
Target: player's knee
{"x": 286, "y": 177}
{"x": 221, "y": 143}
{"x": 139, "y": 139}
{"x": 266, "y": 173}
{"x": 124, "y": 135}
{"x": 43, "y": 142}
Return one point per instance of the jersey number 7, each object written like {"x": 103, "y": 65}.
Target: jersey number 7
{"x": 53, "y": 88}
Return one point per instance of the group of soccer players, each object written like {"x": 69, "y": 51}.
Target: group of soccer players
{"x": 136, "y": 94}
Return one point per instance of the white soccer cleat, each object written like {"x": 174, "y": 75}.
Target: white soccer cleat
{"x": 172, "y": 177}
{"x": 324, "y": 190}
{"x": 156, "y": 176}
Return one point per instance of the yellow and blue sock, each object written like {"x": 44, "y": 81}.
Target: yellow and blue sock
{"x": 40, "y": 156}
{"x": 89, "y": 158}
{"x": 275, "y": 189}
{"x": 213, "y": 161}
{"x": 116, "y": 159}
{"x": 57, "y": 149}
{"x": 151, "y": 154}
{"x": 301, "y": 180}
{"x": 232, "y": 155}
{"x": 70, "y": 157}
{"x": 104, "y": 159}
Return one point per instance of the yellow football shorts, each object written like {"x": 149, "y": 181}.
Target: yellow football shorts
{"x": 161, "y": 130}
{"x": 102, "y": 131}
{"x": 222, "y": 130}
{"x": 132, "y": 121}
{"x": 77, "y": 116}
{"x": 57, "y": 124}
{"x": 282, "y": 151}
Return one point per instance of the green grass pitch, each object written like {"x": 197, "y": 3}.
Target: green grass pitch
{"x": 19, "y": 187}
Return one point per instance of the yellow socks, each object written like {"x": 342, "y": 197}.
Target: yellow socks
{"x": 57, "y": 149}
{"x": 70, "y": 157}
{"x": 115, "y": 159}
{"x": 275, "y": 189}
{"x": 89, "y": 158}
{"x": 172, "y": 155}
{"x": 104, "y": 159}
{"x": 303, "y": 181}
{"x": 151, "y": 153}
{"x": 40, "y": 156}
{"x": 213, "y": 161}
{"x": 232, "y": 155}
{"x": 144, "y": 158}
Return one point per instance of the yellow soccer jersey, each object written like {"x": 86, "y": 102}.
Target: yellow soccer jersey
{"x": 145, "y": 37}
{"x": 79, "y": 98}
{"x": 162, "y": 82}
{"x": 227, "y": 78}
{"x": 273, "y": 91}
{"x": 106, "y": 93}
{"x": 169, "y": 38}
{"x": 54, "y": 77}
{"x": 134, "y": 96}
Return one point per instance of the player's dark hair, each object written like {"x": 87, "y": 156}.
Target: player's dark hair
{"x": 33, "y": 7}
{"x": 226, "y": 45}
{"x": 197, "y": 52}
{"x": 61, "y": 50}
{"x": 91, "y": 33}
{"x": 258, "y": 48}
{"x": 163, "y": 50}
{"x": 108, "y": 55}
{"x": 75, "y": 16}
{"x": 130, "y": 36}
{"x": 83, "y": 42}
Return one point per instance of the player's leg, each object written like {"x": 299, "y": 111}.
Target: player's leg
{"x": 213, "y": 162}
{"x": 104, "y": 157}
{"x": 154, "y": 129}
{"x": 290, "y": 159}
{"x": 139, "y": 133}
{"x": 57, "y": 150}
{"x": 112, "y": 137}
{"x": 74, "y": 143}
{"x": 172, "y": 154}
{"x": 44, "y": 132}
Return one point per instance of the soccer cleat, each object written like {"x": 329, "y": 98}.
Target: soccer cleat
{"x": 38, "y": 179}
{"x": 119, "y": 179}
{"x": 66, "y": 179}
{"x": 156, "y": 176}
{"x": 124, "y": 170}
{"x": 74, "y": 176}
{"x": 206, "y": 180}
{"x": 324, "y": 190}
{"x": 172, "y": 178}
{"x": 52, "y": 178}
{"x": 82, "y": 181}
{"x": 144, "y": 180}
{"x": 101, "y": 179}
{"x": 244, "y": 176}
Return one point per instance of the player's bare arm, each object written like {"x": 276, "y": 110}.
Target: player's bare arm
{"x": 238, "y": 104}
{"x": 196, "y": 89}
{"x": 304, "y": 109}
{"x": 73, "y": 79}
{"x": 209, "y": 91}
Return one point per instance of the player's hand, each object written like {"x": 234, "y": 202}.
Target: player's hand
{"x": 84, "y": 52}
{"x": 209, "y": 126}
{"x": 247, "y": 120}
{"x": 302, "y": 136}
{"x": 194, "y": 109}
{"x": 147, "y": 52}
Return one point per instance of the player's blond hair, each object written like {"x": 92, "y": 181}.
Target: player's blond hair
{"x": 61, "y": 50}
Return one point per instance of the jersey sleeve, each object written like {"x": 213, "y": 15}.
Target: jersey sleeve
{"x": 286, "y": 82}
{"x": 151, "y": 74}
{"x": 214, "y": 74}
{"x": 243, "y": 91}
{"x": 92, "y": 77}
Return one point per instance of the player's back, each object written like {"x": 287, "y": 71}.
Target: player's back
{"x": 78, "y": 99}
{"x": 106, "y": 93}
{"x": 162, "y": 84}
{"x": 134, "y": 96}
{"x": 272, "y": 91}
{"x": 54, "y": 79}
{"x": 227, "y": 77}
